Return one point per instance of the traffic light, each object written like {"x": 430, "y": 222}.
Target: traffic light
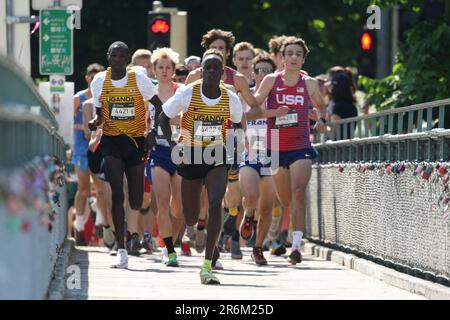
{"x": 159, "y": 30}
{"x": 367, "y": 57}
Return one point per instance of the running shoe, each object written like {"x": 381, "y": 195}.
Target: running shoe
{"x": 295, "y": 257}
{"x": 246, "y": 229}
{"x": 218, "y": 265}
{"x": 108, "y": 237}
{"x": 146, "y": 243}
{"x": 277, "y": 249}
{"x": 236, "y": 253}
{"x": 172, "y": 262}
{"x": 186, "y": 249}
{"x": 200, "y": 240}
{"x": 135, "y": 245}
{"x": 258, "y": 256}
{"x": 122, "y": 260}
{"x": 208, "y": 278}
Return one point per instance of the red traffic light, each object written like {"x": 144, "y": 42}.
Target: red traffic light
{"x": 160, "y": 25}
{"x": 366, "y": 41}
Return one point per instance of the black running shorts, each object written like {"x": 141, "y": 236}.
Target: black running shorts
{"x": 130, "y": 150}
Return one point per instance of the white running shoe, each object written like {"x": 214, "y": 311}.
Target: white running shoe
{"x": 165, "y": 256}
{"x": 122, "y": 260}
{"x": 218, "y": 266}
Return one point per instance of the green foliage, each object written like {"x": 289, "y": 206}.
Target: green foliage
{"x": 421, "y": 73}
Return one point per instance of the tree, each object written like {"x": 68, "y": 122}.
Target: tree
{"x": 421, "y": 72}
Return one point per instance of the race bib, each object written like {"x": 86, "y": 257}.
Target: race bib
{"x": 122, "y": 112}
{"x": 259, "y": 143}
{"x": 207, "y": 131}
{"x": 287, "y": 121}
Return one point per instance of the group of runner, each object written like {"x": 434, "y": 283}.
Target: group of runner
{"x": 228, "y": 141}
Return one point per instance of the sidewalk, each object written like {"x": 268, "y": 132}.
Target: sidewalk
{"x": 147, "y": 278}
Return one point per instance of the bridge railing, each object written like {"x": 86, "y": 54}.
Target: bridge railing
{"x": 381, "y": 189}
{"x": 32, "y": 226}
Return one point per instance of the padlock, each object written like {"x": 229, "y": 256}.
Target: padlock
{"x": 362, "y": 168}
{"x": 341, "y": 169}
{"x": 426, "y": 174}
{"x": 401, "y": 168}
{"x": 26, "y": 226}
{"x": 442, "y": 171}
{"x": 395, "y": 169}
{"x": 445, "y": 201}
{"x": 418, "y": 170}
{"x": 388, "y": 169}
{"x": 371, "y": 167}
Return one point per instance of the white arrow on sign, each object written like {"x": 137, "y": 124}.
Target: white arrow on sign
{"x": 46, "y": 38}
{"x": 46, "y": 21}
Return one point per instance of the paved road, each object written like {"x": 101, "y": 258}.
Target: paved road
{"x": 148, "y": 278}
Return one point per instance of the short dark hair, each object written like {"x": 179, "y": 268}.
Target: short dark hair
{"x": 181, "y": 70}
{"x": 275, "y": 43}
{"x": 265, "y": 57}
{"x": 342, "y": 88}
{"x": 296, "y": 41}
{"x": 118, "y": 44}
{"x": 214, "y": 34}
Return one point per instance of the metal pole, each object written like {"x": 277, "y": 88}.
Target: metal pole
{"x": 383, "y": 66}
{"x": 394, "y": 36}
{"x": 10, "y": 30}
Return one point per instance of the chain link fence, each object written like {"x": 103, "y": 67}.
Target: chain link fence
{"x": 32, "y": 227}
{"x": 386, "y": 197}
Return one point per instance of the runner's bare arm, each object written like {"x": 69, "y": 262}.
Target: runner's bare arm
{"x": 261, "y": 96}
{"x": 76, "y": 104}
{"x": 242, "y": 87}
{"x": 87, "y": 116}
{"x": 194, "y": 76}
{"x": 316, "y": 98}
{"x": 97, "y": 121}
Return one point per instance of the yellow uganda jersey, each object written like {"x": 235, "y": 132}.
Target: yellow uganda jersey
{"x": 203, "y": 125}
{"x": 124, "y": 108}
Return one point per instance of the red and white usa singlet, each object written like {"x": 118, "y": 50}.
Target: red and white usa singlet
{"x": 292, "y": 130}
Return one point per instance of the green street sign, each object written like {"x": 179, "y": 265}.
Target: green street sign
{"x": 55, "y": 42}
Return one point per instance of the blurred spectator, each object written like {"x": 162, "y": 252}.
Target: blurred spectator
{"x": 342, "y": 105}
{"x": 275, "y": 44}
{"x": 181, "y": 73}
{"x": 142, "y": 58}
{"x": 192, "y": 63}
{"x": 322, "y": 79}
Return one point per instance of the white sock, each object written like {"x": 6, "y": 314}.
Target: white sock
{"x": 98, "y": 218}
{"x": 79, "y": 223}
{"x": 297, "y": 239}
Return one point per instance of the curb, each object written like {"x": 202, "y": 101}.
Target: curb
{"x": 394, "y": 278}
{"x": 57, "y": 285}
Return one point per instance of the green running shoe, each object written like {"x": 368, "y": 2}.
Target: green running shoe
{"x": 172, "y": 260}
{"x": 208, "y": 278}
